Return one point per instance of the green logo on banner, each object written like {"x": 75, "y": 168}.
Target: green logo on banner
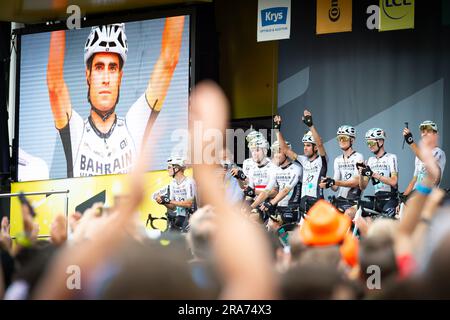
{"x": 396, "y": 14}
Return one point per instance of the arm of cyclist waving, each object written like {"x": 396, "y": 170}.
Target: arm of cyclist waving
{"x": 410, "y": 141}
{"x": 57, "y": 87}
{"x": 316, "y": 136}
{"x": 167, "y": 62}
{"x": 283, "y": 146}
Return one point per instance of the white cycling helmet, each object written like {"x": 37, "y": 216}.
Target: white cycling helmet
{"x": 107, "y": 38}
{"x": 375, "y": 133}
{"x": 258, "y": 143}
{"x": 276, "y": 146}
{"x": 346, "y": 131}
{"x": 308, "y": 138}
{"x": 177, "y": 161}
{"x": 428, "y": 124}
{"x": 254, "y": 135}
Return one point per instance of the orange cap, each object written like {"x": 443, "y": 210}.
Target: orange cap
{"x": 324, "y": 225}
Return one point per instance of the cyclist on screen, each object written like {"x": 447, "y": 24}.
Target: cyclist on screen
{"x": 105, "y": 143}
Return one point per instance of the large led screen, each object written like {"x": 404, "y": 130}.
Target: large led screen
{"x": 90, "y": 98}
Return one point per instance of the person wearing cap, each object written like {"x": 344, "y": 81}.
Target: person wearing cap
{"x": 181, "y": 194}
{"x": 326, "y": 226}
{"x": 345, "y": 180}
{"x": 313, "y": 162}
{"x": 426, "y": 128}
{"x": 105, "y": 143}
{"x": 382, "y": 169}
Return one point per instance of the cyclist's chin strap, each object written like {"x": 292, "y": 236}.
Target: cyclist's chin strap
{"x": 285, "y": 163}
{"x": 103, "y": 115}
{"x": 175, "y": 171}
{"x": 345, "y": 150}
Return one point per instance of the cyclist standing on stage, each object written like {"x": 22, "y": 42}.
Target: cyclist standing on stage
{"x": 313, "y": 162}
{"x": 287, "y": 179}
{"x": 382, "y": 169}
{"x": 260, "y": 174}
{"x": 248, "y": 164}
{"x": 345, "y": 180}
{"x": 426, "y": 128}
{"x": 182, "y": 192}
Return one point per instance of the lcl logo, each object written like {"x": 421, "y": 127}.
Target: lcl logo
{"x": 395, "y": 9}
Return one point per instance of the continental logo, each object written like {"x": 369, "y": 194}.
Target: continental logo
{"x": 396, "y": 9}
{"x": 333, "y": 16}
{"x": 335, "y": 12}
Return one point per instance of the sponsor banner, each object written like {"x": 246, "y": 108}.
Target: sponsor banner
{"x": 274, "y": 20}
{"x": 83, "y": 192}
{"x": 334, "y": 16}
{"x": 396, "y": 14}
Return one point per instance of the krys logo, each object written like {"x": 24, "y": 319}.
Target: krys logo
{"x": 271, "y": 16}
{"x": 396, "y": 9}
{"x": 335, "y": 12}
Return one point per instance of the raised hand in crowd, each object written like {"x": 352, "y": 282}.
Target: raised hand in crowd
{"x": 241, "y": 248}
{"x": 416, "y": 203}
{"x": 5, "y": 238}
{"x": 58, "y": 230}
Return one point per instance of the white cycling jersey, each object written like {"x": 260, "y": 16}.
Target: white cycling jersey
{"x": 344, "y": 170}
{"x": 90, "y": 152}
{"x": 419, "y": 169}
{"x": 259, "y": 176}
{"x": 313, "y": 172}
{"x": 386, "y": 166}
{"x": 184, "y": 191}
{"x": 288, "y": 177}
{"x": 247, "y": 165}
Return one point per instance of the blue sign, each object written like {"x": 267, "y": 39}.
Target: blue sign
{"x": 272, "y": 16}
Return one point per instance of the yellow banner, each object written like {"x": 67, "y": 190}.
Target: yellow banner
{"x": 82, "y": 190}
{"x": 396, "y": 14}
{"x": 334, "y": 16}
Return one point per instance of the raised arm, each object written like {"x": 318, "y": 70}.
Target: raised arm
{"x": 283, "y": 146}
{"x": 409, "y": 140}
{"x": 240, "y": 248}
{"x": 414, "y": 205}
{"x": 57, "y": 88}
{"x": 307, "y": 119}
{"x": 167, "y": 62}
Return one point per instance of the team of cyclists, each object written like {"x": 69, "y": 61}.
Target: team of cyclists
{"x": 284, "y": 187}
